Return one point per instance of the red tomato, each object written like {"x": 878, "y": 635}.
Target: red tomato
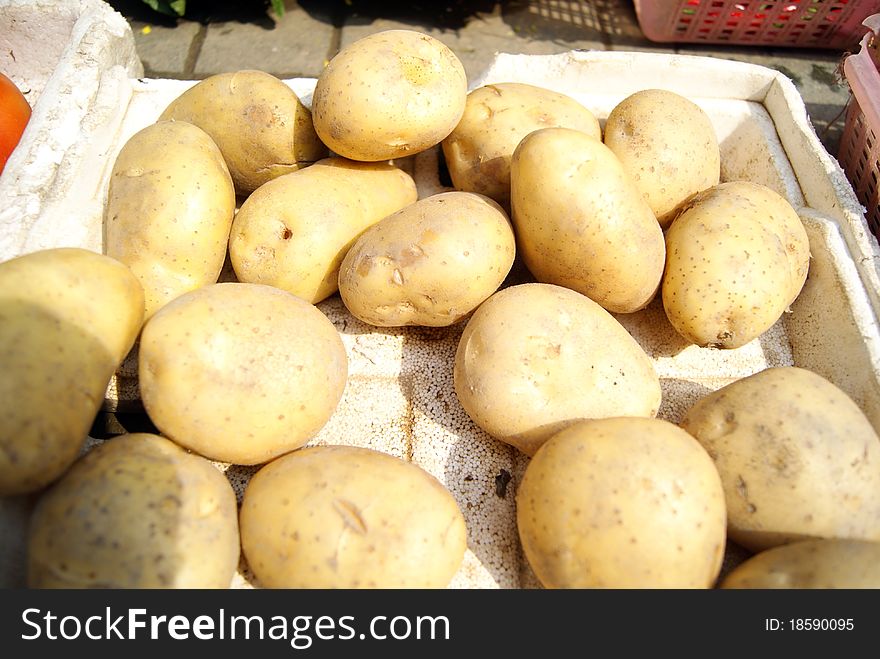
{"x": 14, "y": 115}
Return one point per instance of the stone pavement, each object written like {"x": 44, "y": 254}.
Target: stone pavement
{"x": 228, "y": 35}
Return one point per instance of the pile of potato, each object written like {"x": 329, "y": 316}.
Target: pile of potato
{"x": 249, "y": 372}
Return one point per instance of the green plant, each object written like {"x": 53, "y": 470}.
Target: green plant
{"x": 178, "y": 7}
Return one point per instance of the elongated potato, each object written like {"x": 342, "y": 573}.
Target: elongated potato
{"x": 240, "y": 373}
{"x": 667, "y": 144}
{"x": 737, "y": 257}
{"x": 496, "y": 118}
{"x": 259, "y": 123}
{"x": 68, "y": 317}
{"x": 169, "y": 210}
{"x": 580, "y": 221}
{"x": 431, "y": 263}
{"x": 797, "y": 457}
{"x": 346, "y": 517}
{"x": 622, "y": 503}
{"x": 294, "y": 231}
{"x": 136, "y": 512}
{"x": 536, "y": 358}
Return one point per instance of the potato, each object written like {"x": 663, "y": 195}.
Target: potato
{"x": 581, "y": 223}
{"x": 169, "y": 210}
{"x": 68, "y": 317}
{"x": 390, "y": 94}
{"x": 811, "y": 564}
{"x": 622, "y": 503}
{"x": 345, "y": 517}
{"x": 737, "y": 257}
{"x": 535, "y": 358}
{"x": 135, "y": 512}
{"x": 496, "y": 118}
{"x": 429, "y": 264}
{"x": 293, "y": 232}
{"x": 797, "y": 457}
{"x": 259, "y": 123}
{"x": 240, "y": 373}
{"x": 667, "y": 144}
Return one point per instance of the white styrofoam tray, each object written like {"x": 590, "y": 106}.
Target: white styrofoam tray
{"x": 69, "y": 58}
{"x": 400, "y": 398}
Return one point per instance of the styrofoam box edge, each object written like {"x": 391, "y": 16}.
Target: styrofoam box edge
{"x": 80, "y": 97}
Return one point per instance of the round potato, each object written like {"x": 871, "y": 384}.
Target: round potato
{"x": 135, "y": 512}
{"x": 622, "y": 503}
{"x": 345, "y": 517}
{"x": 294, "y": 231}
{"x": 581, "y": 223}
{"x": 737, "y": 257}
{"x": 68, "y": 317}
{"x": 797, "y": 457}
{"x": 430, "y": 264}
{"x": 169, "y": 210}
{"x": 259, "y": 123}
{"x": 388, "y": 95}
{"x": 667, "y": 144}
{"x": 811, "y": 564}
{"x": 535, "y": 358}
{"x": 240, "y": 373}
{"x": 496, "y": 118}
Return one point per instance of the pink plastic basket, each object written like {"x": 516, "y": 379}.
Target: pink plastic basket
{"x": 804, "y": 23}
{"x": 859, "y": 153}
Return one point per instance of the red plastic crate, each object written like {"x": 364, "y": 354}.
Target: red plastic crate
{"x": 859, "y": 153}
{"x": 805, "y": 23}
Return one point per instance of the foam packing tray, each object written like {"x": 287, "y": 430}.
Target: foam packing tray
{"x": 400, "y": 399}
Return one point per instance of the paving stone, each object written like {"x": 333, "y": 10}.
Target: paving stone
{"x": 297, "y": 45}
{"x": 164, "y": 50}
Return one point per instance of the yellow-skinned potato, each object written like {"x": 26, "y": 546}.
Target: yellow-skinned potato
{"x": 259, "y": 123}
{"x": 431, "y": 263}
{"x": 345, "y": 517}
{"x": 811, "y": 564}
{"x": 68, "y": 317}
{"x": 388, "y": 95}
{"x": 797, "y": 457}
{"x": 294, "y": 231}
{"x": 622, "y": 503}
{"x": 240, "y": 373}
{"x": 535, "y": 358}
{"x": 169, "y": 210}
{"x": 667, "y": 144}
{"x": 135, "y": 512}
{"x": 496, "y": 118}
{"x": 581, "y": 223}
{"x": 737, "y": 256}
